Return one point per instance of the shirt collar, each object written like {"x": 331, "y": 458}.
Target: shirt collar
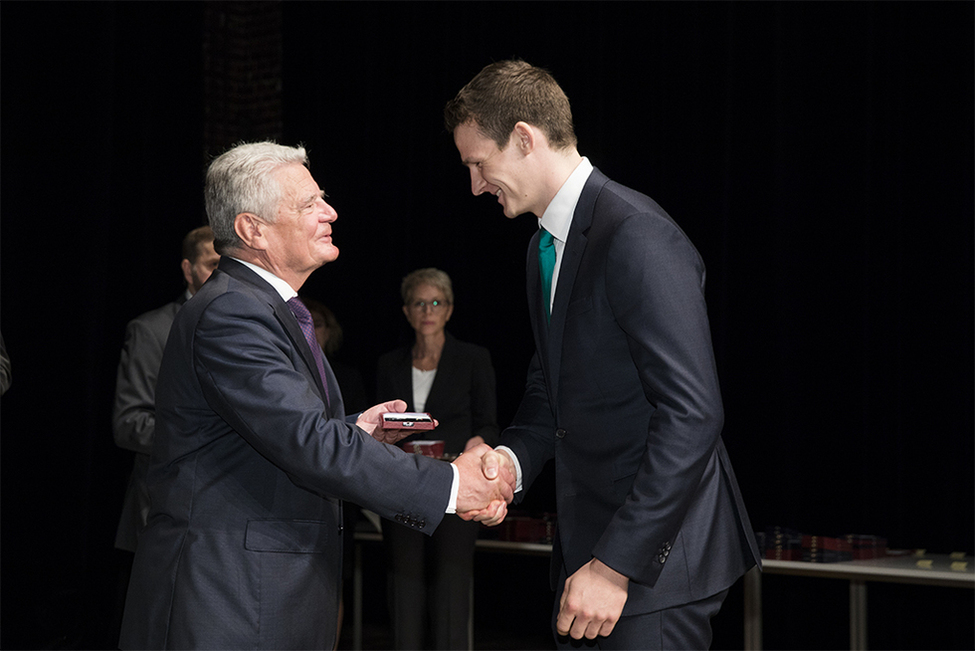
{"x": 280, "y": 286}
{"x": 558, "y": 216}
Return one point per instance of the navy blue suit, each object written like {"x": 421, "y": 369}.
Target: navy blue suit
{"x": 623, "y": 394}
{"x": 243, "y": 546}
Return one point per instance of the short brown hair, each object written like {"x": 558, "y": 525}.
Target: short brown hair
{"x": 508, "y": 92}
{"x": 193, "y": 240}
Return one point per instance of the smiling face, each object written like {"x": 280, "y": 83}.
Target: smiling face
{"x": 300, "y": 239}
{"x": 504, "y": 173}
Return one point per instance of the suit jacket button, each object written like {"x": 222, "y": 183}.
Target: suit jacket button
{"x": 422, "y": 523}
{"x": 560, "y": 433}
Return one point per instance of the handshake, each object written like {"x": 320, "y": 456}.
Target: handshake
{"x": 487, "y": 484}
{"x": 487, "y": 476}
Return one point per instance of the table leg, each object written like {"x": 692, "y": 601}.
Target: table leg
{"x": 357, "y": 599}
{"x": 858, "y": 615}
{"x": 753, "y": 610}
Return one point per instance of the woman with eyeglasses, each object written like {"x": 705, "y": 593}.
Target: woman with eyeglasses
{"x": 430, "y": 576}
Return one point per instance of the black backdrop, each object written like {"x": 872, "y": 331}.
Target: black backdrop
{"x": 819, "y": 155}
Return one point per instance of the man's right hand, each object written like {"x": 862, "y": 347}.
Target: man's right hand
{"x": 487, "y": 485}
{"x": 495, "y": 464}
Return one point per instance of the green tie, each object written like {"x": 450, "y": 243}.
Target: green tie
{"x": 546, "y": 264}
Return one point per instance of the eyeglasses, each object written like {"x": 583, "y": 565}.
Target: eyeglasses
{"x": 436, "y": 306}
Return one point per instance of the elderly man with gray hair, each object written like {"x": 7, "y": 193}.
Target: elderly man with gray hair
{"x": 253, "y": 450}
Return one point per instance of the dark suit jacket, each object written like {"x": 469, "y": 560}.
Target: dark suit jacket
{"x": 134, "y": 412}
{"x": 243, "y": 545}
{"x": 463, "y": 397}
{"x": 623, "y": 393}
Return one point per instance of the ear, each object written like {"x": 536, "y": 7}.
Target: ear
{"x": 525, "y": 137}
{"x": 250, "y": 229}
{"x": 406, "y": 312}
{"x": 185, "y": 265}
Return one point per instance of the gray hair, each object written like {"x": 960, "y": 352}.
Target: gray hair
{"x": 428, "y": 276}
{"x": 242, "y": 180}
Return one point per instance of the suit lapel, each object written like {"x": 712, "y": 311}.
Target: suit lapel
{"x": 441, "y": 381}
{"x": 575, "y": 247}
{"x": 290, "y": 324}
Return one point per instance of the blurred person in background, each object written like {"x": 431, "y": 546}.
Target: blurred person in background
{"x": 430, "y": 577}
{"x": 134, "y": 410}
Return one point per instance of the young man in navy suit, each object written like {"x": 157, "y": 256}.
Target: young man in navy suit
{"x": 622, "y": 392}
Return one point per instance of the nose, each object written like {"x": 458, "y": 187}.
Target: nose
{"x": 328, "y": 213}
{"x": 478, "y": 184}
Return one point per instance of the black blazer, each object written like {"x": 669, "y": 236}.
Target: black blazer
{"x": 463, "y": 397}
{"x": 623, "y": 394}
{"x": 243, "y": 547}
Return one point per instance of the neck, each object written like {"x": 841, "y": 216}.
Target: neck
{"x": 260, "y": 259}
{"x": 558, "y": 167}
{"x": 426, "y": 343}
{"x": 427, "y": 350}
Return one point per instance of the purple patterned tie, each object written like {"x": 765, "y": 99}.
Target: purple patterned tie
{"x": 308, "y": 329}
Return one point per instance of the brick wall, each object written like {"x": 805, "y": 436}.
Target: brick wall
{"x": 242, "y": 51}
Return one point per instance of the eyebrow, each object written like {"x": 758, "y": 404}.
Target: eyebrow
{"x": 311, "y": 197}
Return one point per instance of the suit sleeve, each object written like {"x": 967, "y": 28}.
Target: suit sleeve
{"x": 655, "y": 287}
{"x": 250, "y": 374}
{"x": 530, "y": 434}
{"x": 134, "y": 414}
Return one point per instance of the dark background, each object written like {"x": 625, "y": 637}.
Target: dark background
{"x": 820, "y": 156}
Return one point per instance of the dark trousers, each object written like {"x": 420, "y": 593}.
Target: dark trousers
{"x": 687, "y": 626}
{"x": 123, "y": 569}
{"x": 430, "y": 584}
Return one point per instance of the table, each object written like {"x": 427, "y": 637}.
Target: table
{"x": 935, "y": 570}
{"x": 902, "y": 567}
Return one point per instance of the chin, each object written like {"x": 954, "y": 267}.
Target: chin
{"x": 331, "y": 254}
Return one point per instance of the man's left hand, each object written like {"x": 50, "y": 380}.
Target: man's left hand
{"x": 371, "y": 421}
{"x": 592, "y": 601}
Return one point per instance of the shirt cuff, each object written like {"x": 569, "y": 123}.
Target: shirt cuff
{"x": 454, "y": 488}
{"x": 514, "y": 458}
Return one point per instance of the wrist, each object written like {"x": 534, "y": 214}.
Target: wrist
{"x": 602, "y": 569}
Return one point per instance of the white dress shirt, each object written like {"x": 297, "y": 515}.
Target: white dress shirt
{"x": 558, "y": 216}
